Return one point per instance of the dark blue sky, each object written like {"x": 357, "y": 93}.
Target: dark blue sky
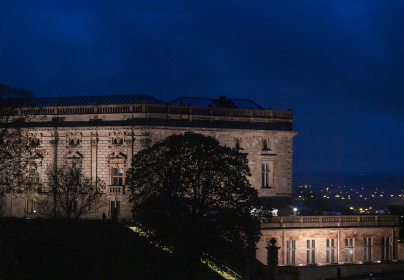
{"x": 338, "y": 64}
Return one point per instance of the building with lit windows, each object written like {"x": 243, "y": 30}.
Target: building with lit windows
{"x": 100, "y": 134}
{"x": 357, "y": 244}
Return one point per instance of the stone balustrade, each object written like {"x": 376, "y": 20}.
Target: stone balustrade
{"x": 158, "y": 109}
{"x": 330, "y": 221}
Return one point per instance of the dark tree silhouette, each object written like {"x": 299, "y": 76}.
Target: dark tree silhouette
{"x": 75, "y": 193}
{"x": 194, "y": 193}
{"x": 18, "y": 149}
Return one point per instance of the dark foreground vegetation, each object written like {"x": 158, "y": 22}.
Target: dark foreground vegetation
{"x": 52, "y": 249}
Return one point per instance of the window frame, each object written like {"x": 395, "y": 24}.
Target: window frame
{"x": 291, "y": 252}
{"x": 120, "y": 177}
{"x": 367, "y": 249}
{"x": 311, "y": 251}
{"x": 267, "y": 174}
{"x": 349, "y": 250}
{"x": 386, "y": 248}
{"x": 330, "y": 251}
{"x": 115, "y": 204}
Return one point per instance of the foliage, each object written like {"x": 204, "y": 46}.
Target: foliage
{"x": 75, "y": 194}
{"x": 17, "y": 148}
{"x": 194, "y": 192}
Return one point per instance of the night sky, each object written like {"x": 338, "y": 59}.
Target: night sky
{"x": 338, "y": 64}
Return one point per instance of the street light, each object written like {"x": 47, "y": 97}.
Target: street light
{"x": 295, "y": 211}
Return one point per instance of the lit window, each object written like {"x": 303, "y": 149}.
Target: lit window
{"x": 330, "y": 251}
{"x": 117, "y": 176}
{"x": 349, "y": 248}
{"x": 291, "y": 252}
{"x": 266, "y": 175}
{"x": 35, "y": 175}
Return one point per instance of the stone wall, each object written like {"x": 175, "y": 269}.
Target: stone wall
{"x": 391, "y": 270}
{"x": 320, "y": 235}
{"x": 97, "y": 154}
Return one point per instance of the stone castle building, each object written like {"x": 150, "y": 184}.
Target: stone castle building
{"x": 102, "y": 133}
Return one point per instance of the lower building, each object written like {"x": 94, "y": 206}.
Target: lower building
{"x": 330, "y": 240}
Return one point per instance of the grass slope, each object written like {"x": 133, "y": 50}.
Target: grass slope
{"x": 48, "y": 249}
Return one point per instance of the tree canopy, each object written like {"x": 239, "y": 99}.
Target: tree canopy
{"x": 75, "y": 194}
{"x": 18, "y": 148}
{"x": 194, "y": 192}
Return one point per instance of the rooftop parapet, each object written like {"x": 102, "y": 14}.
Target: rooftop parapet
{"x": 158, "y": 109}
{"x": 329, "y": 221}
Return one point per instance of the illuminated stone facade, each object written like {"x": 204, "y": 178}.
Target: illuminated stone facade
{"x": 323, "y": 240}
{"x": 104, "y": 136}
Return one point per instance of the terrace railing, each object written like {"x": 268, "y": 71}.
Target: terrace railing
{"x": 330, "y": 221}
{"x": 158, "y": 109}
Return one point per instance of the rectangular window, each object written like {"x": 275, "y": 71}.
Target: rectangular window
{"x": 4, "y": 177}
{"x": 386, "y": 248}
{"x": 116, "y": 206}
{"x": 35, "y": 175}
{"x": 367, "y": 249}
{"x": 311, "y": 251}
{"x": 117, "y": 176}
{"x": 265, "y": 175}
{"x": 349, "y": 249}
{"x": 291, "y": 252}
{"x": 330, "y": 251}
{"x": 30, "y": 205}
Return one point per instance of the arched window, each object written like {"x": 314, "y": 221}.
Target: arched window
{"x": 237, "y": 143}
{"x": 265, "y": 145}
{"x": 117, "y": 138}
{"x": 75, "y": 159}
{"x": 73, "y": 139}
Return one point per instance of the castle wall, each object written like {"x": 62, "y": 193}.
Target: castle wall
{"x": 302, "y": 234}
{"x": 93, "y": 146}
